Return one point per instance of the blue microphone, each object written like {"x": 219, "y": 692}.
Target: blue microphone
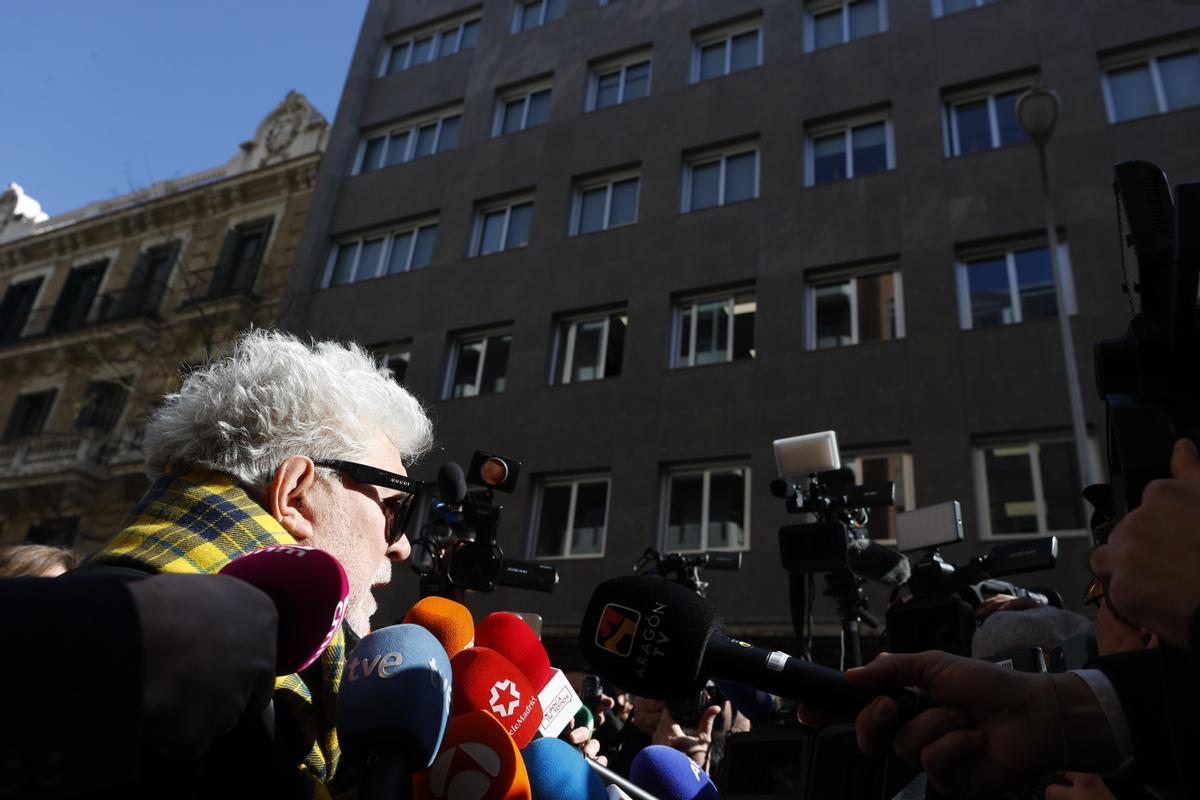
{"x": 393, "y": 707}
{"x": 671, "y": 775}
{"x": 557, "y": 771}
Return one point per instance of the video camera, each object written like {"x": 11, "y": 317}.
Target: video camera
{"x": 457, "y": 550}
{"x": 1147, "y": 378}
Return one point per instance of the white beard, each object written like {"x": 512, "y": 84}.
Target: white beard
{"x": 346, "y": 545}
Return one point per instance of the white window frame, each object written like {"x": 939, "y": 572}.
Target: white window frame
{"x": 469, "y": 338}
{"x": 846, "y": 128}
{"x": 605, "y": 182}
{"x": 691, "y": 303}
{"x": 722, "y": 155}
{"x": 573, "y": 481}
{"x": 518, "y": 18}
{"x": 816, "y": 9}
{"x": 906, "y": 503}
{"x": 386, "y": 354}
{"x": 827, "y": 279}
{"x": 481, "y": 214}
{"x": 438, "y": 31}
{"x": 939, "y": 9}
{"x": 724, "y": 34}
{"x": 569, "y": 326}
{"x": 410, "y": 127}
{"x": 706, "y": 470}
{"x": 961, "y": 273}
{"x": 950, "y": 120}
{"x": 523, "y": 92}
{"x": 621, "y": 65}
{"x": 983, "y": 499}
{"x": 389, "y": 236}
{"x": 1150, "y": 58}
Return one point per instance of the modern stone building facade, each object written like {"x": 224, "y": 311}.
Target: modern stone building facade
{"x": 103, "y": 307}
{"x": 632, "y": 242}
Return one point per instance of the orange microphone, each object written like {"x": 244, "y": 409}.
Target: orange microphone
{"x": 448, "y": 621}
{"x": 478, "y": 761}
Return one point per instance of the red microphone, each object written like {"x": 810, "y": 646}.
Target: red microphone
{"x": 309, "y": 588}
{"x": 448, "y": 621}
{"x": 478, "y": 760}
{"x": 511, "y": 637}
{"x": 484, "y": 679}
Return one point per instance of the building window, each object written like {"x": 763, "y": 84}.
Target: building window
{"x": 478, "y": 364}
{"x": 606, "y": 202}
{"x": 103, "y": 402}
{"x": 1009, "y": 287}
{"x": 838, "y": 22}
{"x": 15, "y": 308}
{"x": 707, "y": 509}
{"x": 877, "y": 468}
{"x": 726, "y": 50}
{"x": 411, "y": 139}
{"x": 148, "y": 282}
{"x": 241, "y": 255}
{"x": 943, "y": 7}
{"x": 849, "y": 150}
{"x": 521, "y": 108}
{"x": 1152, "y": 84}
{"x": 530, "y": 14}
{"x": 589, "y": 348}
{"x": 714, "y": 329}
{"x": 852, "y": 309}
{"x": 381, "y": 254}
{"x": 75, "y": 302}
{"x": 983, "y": 120}
{"x": 394, "y": 358}
{"x": 446, "y": 39}
{"x": 717, "y": 177}
{"x": 1029, "y": 487}
{"x": 571, "y": 517}
{"x": 29, "y": 414}
{"x": 614, "y": 82}
{"x": 502, "y": 227}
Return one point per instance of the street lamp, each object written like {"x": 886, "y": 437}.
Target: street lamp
{"x": 1037, "y": 113}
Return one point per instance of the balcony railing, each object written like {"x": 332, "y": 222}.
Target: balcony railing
{"x": 52, "y": 452}
{"x": 140, "y": 302}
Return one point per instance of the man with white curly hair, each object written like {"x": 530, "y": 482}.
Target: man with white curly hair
{"x": 283, "y": 442}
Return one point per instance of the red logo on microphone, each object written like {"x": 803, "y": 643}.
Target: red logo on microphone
{"x": 618, "y": 625}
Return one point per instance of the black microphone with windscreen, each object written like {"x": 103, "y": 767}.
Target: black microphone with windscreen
{"x": 452, "y": 484}
{"x": 875, "y": 562}
{"x": 659, "y": 640}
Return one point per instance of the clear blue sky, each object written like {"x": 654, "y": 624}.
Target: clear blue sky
{"x": 99, "y": 97}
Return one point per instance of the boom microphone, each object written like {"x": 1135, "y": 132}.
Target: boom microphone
{"x": 309, "y": 588}
{"x": 659, "y": 640}
{"x": 511, "y": 637}
{"x": 484, "y": 679}
{"x": 557, "y": 771}
{"x": 478, "y": 760}
{"x": 877, "y": 563}
{"x": 393, "y": 707}
{"x": 452, "y": 484}
{"x": 671, "y": 775}
{"x": 448, "y": 621}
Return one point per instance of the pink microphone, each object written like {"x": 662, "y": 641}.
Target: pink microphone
{"x": 309, "y": 588}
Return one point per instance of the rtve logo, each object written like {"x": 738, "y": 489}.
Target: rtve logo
{"x": 510, "y": 693}
{"x": 616, "y": 630}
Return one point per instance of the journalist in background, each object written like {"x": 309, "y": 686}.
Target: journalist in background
{"x": 236, "y": 459}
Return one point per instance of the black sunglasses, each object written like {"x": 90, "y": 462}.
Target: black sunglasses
{"x": 398, "y": 509}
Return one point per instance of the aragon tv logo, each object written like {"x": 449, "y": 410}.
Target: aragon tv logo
{"x": 618, "y": 625}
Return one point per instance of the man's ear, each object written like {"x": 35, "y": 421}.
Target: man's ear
{"x": 290, "y": 496}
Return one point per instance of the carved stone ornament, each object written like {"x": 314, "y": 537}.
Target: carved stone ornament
{"x": 286, "y": 125}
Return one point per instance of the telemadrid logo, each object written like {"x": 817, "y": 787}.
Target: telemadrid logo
{"x": 514, "y": 698}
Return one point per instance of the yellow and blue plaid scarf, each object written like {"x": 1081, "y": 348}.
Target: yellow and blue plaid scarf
{"x": 197, "y": 521}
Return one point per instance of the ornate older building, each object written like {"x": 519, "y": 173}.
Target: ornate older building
{"x": 103, "y": 307}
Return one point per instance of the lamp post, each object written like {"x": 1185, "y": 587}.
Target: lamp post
{"x": 1037, "y": 113}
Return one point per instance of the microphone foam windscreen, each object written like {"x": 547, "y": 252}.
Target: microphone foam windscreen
{"x": 447, "y": 620}
{"x": 557, "y": 771}
{"x": 484, "y": 679}
{"x": 395, "y": 696}
{"x": 478, "y": 761}
{"x": 452, "y": 484}
{"x": 648, "y": 635}
{"x": 669, "y": 774}
{"x": 309, "y": 588}
{"x": 511, "y": 637}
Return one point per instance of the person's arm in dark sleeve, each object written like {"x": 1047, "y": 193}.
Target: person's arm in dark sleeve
{"x": 632, "y": 741}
